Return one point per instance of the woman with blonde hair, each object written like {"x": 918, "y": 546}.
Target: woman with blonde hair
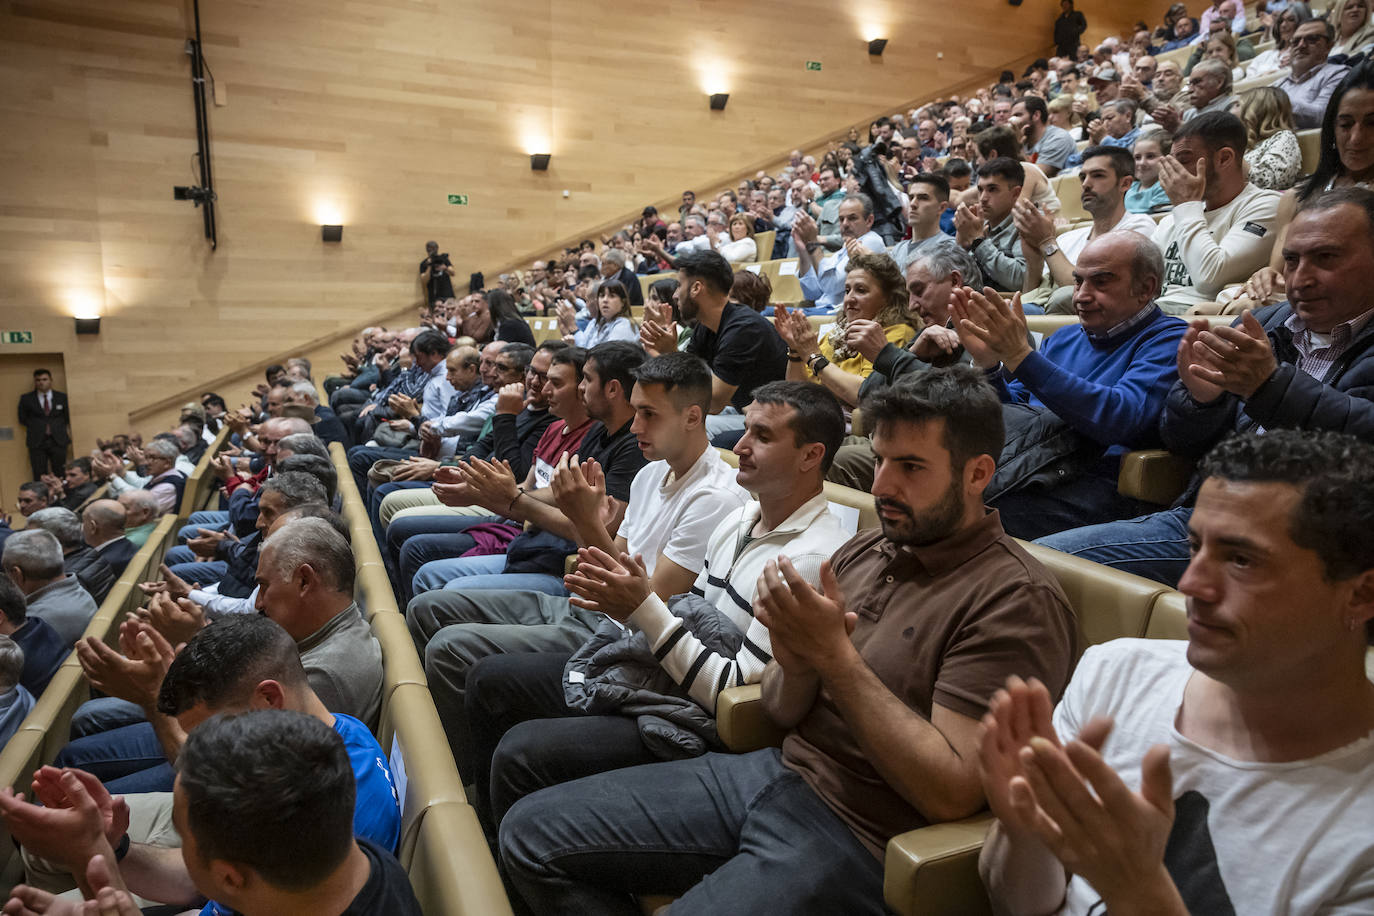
{"x": 875, "y": 297}
{"x": 1274, "y": 159}
{"x": 1222, "y": 47}
{"x": 741, "y": 246}
{"x": 1354, "y": 28}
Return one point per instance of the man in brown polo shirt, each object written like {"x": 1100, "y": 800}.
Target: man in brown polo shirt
{"x": 882, "y": 678}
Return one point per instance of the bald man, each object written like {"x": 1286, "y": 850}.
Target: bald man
{"x": 102, "y": 525}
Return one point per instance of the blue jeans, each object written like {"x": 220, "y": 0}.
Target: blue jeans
{"x": 452, "y": 542}
{"x": 213, "y": 520}
{"x": 198, "y": 572}
{"x": 103, "y": 714}
{"x": 128, "y": 760}
{"x": 466, "y": 573}
{"x": 1088, "y": 499}
{"x": 730, "y": 833}
{"x": 1154, "y": 546}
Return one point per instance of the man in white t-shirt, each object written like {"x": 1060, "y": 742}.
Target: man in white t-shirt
{"x": 1107, "y": 174}
{"x": 1239, "y": 773}
{"x": 676, "y": 501}
{"x": 1222, "y": 228}
{"x": 536, "y": 734}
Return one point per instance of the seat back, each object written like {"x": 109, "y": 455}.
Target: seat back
{"x": 859, "y": 504}
{"x": 1168, "y": 616}
{"x": 1310, "y": 142}
{"x": 763, "y": 242}
{"x": 782, "y": 274}
{"x": 1108, "y": 604}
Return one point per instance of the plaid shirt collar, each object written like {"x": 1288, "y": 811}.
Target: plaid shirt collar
{"x": 1324, "y": 349}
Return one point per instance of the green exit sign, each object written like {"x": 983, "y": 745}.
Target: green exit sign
{"x": 16, "y": 337}
{"x": 813, "y": 65}
{"x": 460, "y": 200}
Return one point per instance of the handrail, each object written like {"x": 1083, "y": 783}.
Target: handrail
{"x": 434, "y": 850}
{"x": 195, "y": 494}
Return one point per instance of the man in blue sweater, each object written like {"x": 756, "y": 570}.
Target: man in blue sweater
{"x": 1091, "y": 393}
{"x": 1307, "y": 363}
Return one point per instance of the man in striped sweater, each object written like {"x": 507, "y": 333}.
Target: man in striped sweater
{"x": 520, "y": 718}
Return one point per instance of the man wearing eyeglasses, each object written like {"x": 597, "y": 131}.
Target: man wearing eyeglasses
{"x": 1312, "y": 79}
{"x": 1209, "y": 88}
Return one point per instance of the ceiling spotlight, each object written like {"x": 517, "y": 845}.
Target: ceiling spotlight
{"x": 539, "y": 162}
{"x": 718, "y": 100}
{"x": 876, "y": 46}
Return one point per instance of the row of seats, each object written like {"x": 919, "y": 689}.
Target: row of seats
{"x": 44, "y": 732}
{"x": 442, "y": 847}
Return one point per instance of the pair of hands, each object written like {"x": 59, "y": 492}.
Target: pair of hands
{"x": 1034, "y": 224}
{"x": 403, "y": 407}
{"x": 206, "y": 544}
{"x": 795, "y": 330}
{"x": 1225, "y": 360}
{"x": 137, "y": 673}
{"x": 658, "y": 332}
{"x": 77, "y": 824}
{"x": 968, "y": 224}
{"x": 1069, "y": 799}
{"x": 992, "y": 330}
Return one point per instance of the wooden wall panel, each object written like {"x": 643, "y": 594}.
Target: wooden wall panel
{"x": 369, "y": 114}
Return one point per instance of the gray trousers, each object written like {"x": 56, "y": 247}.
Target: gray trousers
{"x": 453, "y": 630}
{"x": 853, "y": 464}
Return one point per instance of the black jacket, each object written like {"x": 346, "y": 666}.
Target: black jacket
{"x": 118, "y": 554}
{"x": 91, "y": 570}
{"x": 38, "y": 425}
{"x": 1342, "y": 401}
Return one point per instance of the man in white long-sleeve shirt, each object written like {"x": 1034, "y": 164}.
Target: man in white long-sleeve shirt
{"x": 1222, "y": 228}
{"x": 792, "y": 431}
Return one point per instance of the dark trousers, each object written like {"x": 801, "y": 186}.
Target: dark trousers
{"x": 47, "y": 454}
{"x": 1090, "y": 499}
{"x": 525, "y": 737}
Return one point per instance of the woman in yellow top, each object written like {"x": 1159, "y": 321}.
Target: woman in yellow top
{"x": 874, "y": 291}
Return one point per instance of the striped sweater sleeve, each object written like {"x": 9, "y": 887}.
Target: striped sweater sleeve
{"x": 700, "y": 671}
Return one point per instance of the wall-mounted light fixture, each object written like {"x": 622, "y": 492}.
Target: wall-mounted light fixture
{"x": 332, "y": 233}
{"x": 718, "y": 100}
{"x": 87, "y": 325}
{"x": 876, "y": 46}
{"x": 539, "y": 162}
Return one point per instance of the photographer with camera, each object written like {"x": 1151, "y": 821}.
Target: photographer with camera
{"x": 435, "y": 271}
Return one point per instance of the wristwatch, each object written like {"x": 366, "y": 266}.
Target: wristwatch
{"x": 976, "y": 242}
{"x": 817, "y": 364}
{"x": 1049, "y": 249}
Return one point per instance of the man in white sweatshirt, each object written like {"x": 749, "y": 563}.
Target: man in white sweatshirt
{"x": 1222, "y": 228}
{"x": 519, "y": 717}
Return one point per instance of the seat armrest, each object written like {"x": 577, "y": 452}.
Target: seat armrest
{"x": 934, "y": 870}
{"x": 741, "y": 722}
{"x": 1153, "y": 475}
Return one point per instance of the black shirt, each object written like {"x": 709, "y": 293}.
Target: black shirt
{"x": 746, "y": 351}
{"x": 440, "y": 283}
{"x": 44, "y": 653}
{"x": 387, "y": 891}
{"x": 515, "y": 330}
{"x": 618, "y": 454}
{"x": 513, "y": 438}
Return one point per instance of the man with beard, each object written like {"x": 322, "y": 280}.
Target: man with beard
{"x": 742, "y": 348}
{"x": 1047, "y": 146}
{"x": 881, "y": 675}
{"x": 1222, "y": 227}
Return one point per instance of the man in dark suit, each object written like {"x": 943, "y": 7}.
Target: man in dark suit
{"x": 102, "y": 526}
{"x": 44, "y": 415}
{"x": 613, "y": 267}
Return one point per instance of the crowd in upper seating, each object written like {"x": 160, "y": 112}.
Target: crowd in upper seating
{"x": 597, "y": 530}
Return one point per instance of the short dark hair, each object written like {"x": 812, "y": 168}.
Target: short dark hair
{"x": 1360, "y": 198}
{"x": 431, "y": 343}
{"x": 325, "y": 514}
{"x": 214, "y": 399}
{"x": 1003, "y": 167}
{"x": 685, "y": 377}
{"x": 1217, "y": 130}
{"x": 939, "y": 185}
{"x": 37, "y": 488}
{"x": 519, "y": 355}
{"x": 1123, "y": 163}
{"x": 616, "y": 361}
{"x": 274, "y": 369}
{"x": 12, "y": 602}
{"x": 665, "y": 289}
{"x": 552, "y": 345}
{"x": 956, "y": 168}
{"x": 273, "y": 790}
{"x": 569, "y": 356}
{"x": 959, "y": 395}
{"x": 1036, "y": 105}
{"x": 223, "y": 662}
{"x": 710, "y": 267}
{"x": 752, "y": 289}
{"x": 819, "y": 416}
{"x": 83, "y": 464}
{"x": 38, "y": 372}
{"x": 1334, "y": 472}
{"x": 322, "y": 469}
